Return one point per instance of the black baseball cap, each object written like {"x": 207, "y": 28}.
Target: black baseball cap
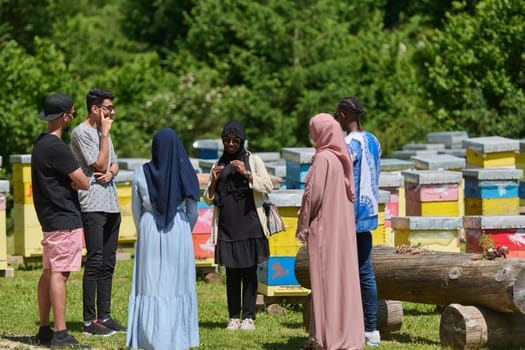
{"x": 56, "y": 105}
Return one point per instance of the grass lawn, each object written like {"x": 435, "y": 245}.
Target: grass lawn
{"x": 19, "y": 317}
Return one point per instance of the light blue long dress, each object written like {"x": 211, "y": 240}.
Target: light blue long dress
{"x": 162, "y": 311}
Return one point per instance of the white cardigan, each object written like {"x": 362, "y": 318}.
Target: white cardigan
{"x": 261, "y": 185}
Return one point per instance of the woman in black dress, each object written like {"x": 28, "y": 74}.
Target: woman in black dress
{"x": 237, "y": 188}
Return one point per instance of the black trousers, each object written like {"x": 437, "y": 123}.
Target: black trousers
{"x": 101, "y": 232}
{"x": 248, "y": 278}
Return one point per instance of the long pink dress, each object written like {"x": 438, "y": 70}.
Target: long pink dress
{"x": 326, "y": 222}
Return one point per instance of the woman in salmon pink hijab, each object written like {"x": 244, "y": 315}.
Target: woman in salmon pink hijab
{"x": 326, "y": 224}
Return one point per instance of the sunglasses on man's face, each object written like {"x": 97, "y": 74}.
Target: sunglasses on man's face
{"x": 109, "y": 108}
{"x": 234, "y": 140}
{"x": 72, "y": 114}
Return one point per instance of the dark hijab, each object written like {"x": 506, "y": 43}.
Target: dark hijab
{"x": 229, "y": 173}
{"x": 170, "y": 176}
{"x": 236, "y": 128}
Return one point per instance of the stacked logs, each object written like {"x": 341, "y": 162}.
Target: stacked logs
{"x": 494, "y": 291}
{"x": 389, "y": 312}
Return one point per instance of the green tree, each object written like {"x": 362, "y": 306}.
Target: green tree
{"x": 476, "y": 68}
{"x": 27, "y": 81}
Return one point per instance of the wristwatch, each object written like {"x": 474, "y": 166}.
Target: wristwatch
{"x": 248, "y": 174}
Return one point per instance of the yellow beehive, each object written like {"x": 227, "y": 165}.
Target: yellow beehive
{"x": 4, "y": 189}
{"x": 24, "y": 215}
{"x": 22, "y": 171}
{"x": 439, "y": 233}
{"x": 128, "y": 231}
{"x": 490, "y": 160}
{"x": 27, "y": 241}
{"x": 492, "y": 206}
{"x": 520, "y": 163}
{"x": 284, "y": 243}
{"x": 491, "y": 152}
{"x": 378, "y": 235}
{"x": 282, "y": 291}
{"x": 445, "y": 208}
{"x": 22, "y": 192}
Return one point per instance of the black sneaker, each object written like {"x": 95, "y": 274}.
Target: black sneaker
{"x": 67, "y": 342}
{"x": 114, "y": 325}
{"x": 95, "y": 328}
{"x": 44, "y": 336}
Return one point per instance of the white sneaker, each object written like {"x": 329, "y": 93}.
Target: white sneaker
{"x": 233, "y": 324}
{"x": 248, "y": 325}
{"x": 373, "y": 338}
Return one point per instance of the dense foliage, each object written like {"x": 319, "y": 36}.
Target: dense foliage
{"x": 418, "y": 66}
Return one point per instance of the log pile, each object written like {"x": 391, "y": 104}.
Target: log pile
{"x": 484, "y": 299}
{"x": 444, "y": 278}
{"x": 475, "y": 327}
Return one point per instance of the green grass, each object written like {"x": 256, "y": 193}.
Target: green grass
{"x": 19, "y": 317}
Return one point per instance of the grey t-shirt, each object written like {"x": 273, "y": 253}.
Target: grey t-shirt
{"x": 85, "y": 145}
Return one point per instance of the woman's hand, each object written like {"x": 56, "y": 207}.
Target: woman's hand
{"x": 239, "y": 165}
{"x": 216, "y": 172}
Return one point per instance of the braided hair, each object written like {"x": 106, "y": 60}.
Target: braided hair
{"x": 352, "y": 104}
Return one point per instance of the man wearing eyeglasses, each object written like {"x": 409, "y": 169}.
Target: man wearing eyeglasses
{"x": 91, "y": 144}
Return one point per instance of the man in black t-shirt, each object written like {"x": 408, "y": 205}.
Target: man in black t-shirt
{"x": 56, "y": 176}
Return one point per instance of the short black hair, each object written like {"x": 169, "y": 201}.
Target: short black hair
{"x": 96, "y": 96}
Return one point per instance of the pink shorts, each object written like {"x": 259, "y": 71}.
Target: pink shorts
{"x": 62, "y": 250}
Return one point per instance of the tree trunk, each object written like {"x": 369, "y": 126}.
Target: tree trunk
{"x": 389, "y": 315}
{"x": 301, "y": 267}
{"x": 471, "y": 327}
{"x": 444, "y": 278}
{"x": 441, "y": 278}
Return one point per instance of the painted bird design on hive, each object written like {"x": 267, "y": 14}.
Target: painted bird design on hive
{"x": 518, "y": 238}
{"x": 278, "y": 270}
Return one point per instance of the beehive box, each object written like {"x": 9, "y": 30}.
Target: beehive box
{"x": 27, "y": 230}
{"x": 393, "y": 183}
{"x": 438, "y": 162}
{"x": 131, "y": 163}
{"x": 379, "y": 234}
{"x": 209, "y": 148}
{"x": 456, "y": 152}
{"x": 502, "y": 230}
{"x": 288, "y": 203}
{"x": 396, "y": 165}
{"x": 491, "y": 152}
{"x": 298, "y": 162}
{"x": 277, "y": 271}
{"x": 277, "y": 276}
{"x": 451, "y": 139}
{"x": 520, "y": 157}
{"x": 424, "y": 146}
{"x": 408, "y": 154}
{"x": 127, "y": 232}
{"x": 267, "y": 157}
{"x": 492, "y": 191}
{"x": 440, "y": 233}
{"x": 432, "y": 192}
{"x": 4, "y": 191}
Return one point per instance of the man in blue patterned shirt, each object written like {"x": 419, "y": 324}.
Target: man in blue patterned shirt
{"x": 365, "y": 152}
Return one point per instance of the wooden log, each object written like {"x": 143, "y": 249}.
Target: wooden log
{"x": 389, "y": 315}
{"x": 301, "y": 267}
{"x": 441, "y": 278}
{"x": 444, "y": 278}
{"x": 470, "y": 327}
